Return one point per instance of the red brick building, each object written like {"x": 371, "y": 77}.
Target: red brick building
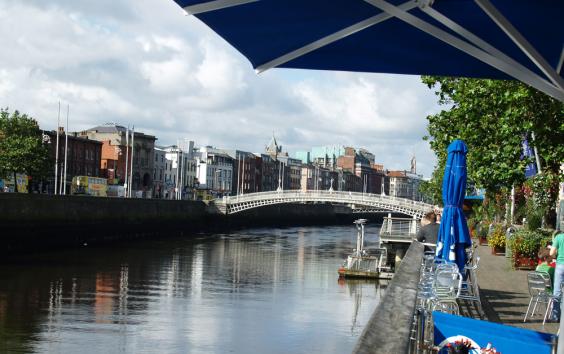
{"x": 83, "y": 158}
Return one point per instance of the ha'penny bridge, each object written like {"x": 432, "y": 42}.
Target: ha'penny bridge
{"x": 359, "y": 202}
{"x": 393, "y": 229}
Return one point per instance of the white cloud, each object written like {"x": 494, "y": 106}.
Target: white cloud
{"x": 147, "y": 64}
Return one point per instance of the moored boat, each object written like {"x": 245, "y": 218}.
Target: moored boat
{"x": 364, "y": 264}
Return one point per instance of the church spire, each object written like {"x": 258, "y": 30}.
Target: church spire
{"x": 273, "y": 148}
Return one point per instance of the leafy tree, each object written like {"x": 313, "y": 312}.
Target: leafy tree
{"x": 21, "y": 147}
{"x": 432, "y": 189}
{"x": 493, "y": 117}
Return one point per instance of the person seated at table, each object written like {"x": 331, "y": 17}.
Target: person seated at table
{"x": 429, "y": 231}
{"x": 544, "y": 266}
{"x": 552, "y": 260}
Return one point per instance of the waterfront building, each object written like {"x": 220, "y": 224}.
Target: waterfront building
{"x": 367, "y": 155}
{"x": 315, "y": 177}
{"x": 247, "y": 172}
{"x": 269, "y": 172}
{"x": 346, "y": 162}
{"x": 289, "y": 169}
{"x": 116, "y": 150}
{"x": 83, "y": 158}
{"x": 404, "y": 184}
{"x": 348, "y": 181}
{"x": 362, "y": 165}
{"x": 324, "y": 156}
{"x": 179, "y": 171}
{"x": 159, "y": 168}
{"x": 214, "y": 170}
{"x": 373, "y": 179}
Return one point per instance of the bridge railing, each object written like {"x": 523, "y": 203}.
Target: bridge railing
{"x": 337, "y": 196}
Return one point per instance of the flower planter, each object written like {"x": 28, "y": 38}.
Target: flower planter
{"x": 482, "y": 241}
{"x": 497, "y": 250}
{"x": 525, "y": 263}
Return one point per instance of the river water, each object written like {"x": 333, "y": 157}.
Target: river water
{"x": 251, "y": 291}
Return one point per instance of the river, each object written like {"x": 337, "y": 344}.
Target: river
{"x": 264, "y": 290}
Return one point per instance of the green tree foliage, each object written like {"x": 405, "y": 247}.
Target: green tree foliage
{"x": 432, "y": 189}
{"x": 492, "y": 116}
{"x": 21, "y": 147}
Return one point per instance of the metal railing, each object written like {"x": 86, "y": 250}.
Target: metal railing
{"x": 399, "y": 229}
{"x": 234, "y": 204}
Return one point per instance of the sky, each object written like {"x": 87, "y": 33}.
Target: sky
{"x": 146, "y": 63}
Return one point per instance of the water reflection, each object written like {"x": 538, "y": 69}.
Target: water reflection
{"x": 258, "y": 291}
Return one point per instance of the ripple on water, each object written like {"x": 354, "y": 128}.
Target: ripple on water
{"x": 254, "y": 291}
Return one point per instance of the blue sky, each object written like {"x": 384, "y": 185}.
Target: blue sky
{"x": 145, "y": 63}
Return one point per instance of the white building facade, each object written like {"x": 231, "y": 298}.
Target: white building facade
{"x": 179, "y": 171}
{"x": 404, "y": 184}
{"x": 159, "y": 173}
{"x": 214, "y": 170}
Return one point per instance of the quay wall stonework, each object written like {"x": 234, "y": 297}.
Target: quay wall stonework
{"x": 31, "y": 222}
{"x": 36, "y": 221}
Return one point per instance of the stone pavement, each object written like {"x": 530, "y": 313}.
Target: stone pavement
{"x": 504, "y": 293}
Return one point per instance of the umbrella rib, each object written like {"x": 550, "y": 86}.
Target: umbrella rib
{"x": 521, "y": 42}
{"x": 345, "y": 32}
{"x": 480, "y": 43}
{"x": 561, "y": 61}
{"x": 214, "y": 5}
{"x": 466, "y": 47}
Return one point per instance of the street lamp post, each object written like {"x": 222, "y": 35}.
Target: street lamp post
{"x": 57, "y": 152}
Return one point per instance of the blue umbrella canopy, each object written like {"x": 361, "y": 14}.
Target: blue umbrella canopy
{"x": 497, "y": 39}
{"x": 454, "y": 237}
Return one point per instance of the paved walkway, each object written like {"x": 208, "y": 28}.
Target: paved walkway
{"x": 504, "y": 292}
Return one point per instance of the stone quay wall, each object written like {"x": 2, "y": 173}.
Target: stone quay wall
{"x": 35, "y": 221}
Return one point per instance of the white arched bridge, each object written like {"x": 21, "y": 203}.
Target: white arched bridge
{"x": 364, "y": 202}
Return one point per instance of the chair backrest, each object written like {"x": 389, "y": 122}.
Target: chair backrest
{"x": 447, "y": 283}
{"x": 474, "y": 264}
{"x": 539, "y": 283}
{"x": 453, "y": 267}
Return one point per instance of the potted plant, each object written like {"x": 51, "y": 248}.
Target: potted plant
{"x": 496, "y": 239}
{"x": 481, "y": 232}
{"x": 525, "y": 246}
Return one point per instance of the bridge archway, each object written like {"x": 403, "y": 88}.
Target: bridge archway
{"x": 236, "y": 204}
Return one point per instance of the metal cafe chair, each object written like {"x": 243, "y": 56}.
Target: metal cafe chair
{"x": 446, "y": 290}
{"x": 470, "y": 289}
{"x": 539, "y": 290}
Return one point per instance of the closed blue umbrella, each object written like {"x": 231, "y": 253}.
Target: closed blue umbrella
{"x": 453, "y": 233}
